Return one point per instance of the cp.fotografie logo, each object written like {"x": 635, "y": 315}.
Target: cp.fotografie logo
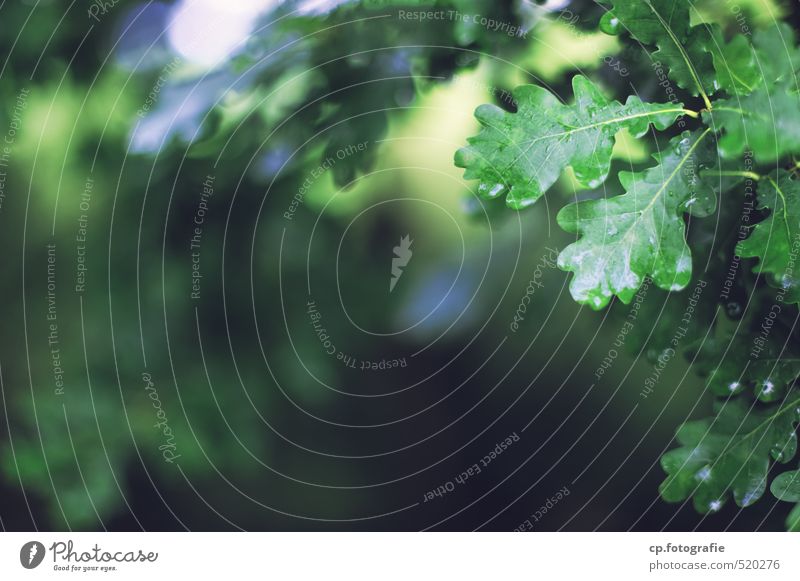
{"x": 31, "y": 554}
{"x": 402, "y": 256}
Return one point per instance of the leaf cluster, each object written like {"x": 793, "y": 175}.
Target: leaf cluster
{"x": 739, "y": 123}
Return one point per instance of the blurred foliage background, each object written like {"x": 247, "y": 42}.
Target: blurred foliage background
{"x": 118, "y": 115}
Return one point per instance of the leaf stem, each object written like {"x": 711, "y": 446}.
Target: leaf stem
{"x": 783, "y": 199}
{"x": 782, "y": 409}
{"x": 692, "y": 114}
{"x": 736, "y": 174}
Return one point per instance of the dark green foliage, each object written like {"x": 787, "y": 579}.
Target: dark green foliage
{"x": 729, "y": 454}
{"x": 775, "y": 241}
{"x": 740, "y": 134}
{"x": 681, "y": 47}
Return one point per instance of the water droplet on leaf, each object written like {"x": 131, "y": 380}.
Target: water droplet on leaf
{"x": 610, "y": 24}
{"x": 734, "y": 310}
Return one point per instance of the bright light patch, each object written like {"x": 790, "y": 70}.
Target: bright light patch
{"x": 206, "y": 32}
{"x": 319, "y": 6}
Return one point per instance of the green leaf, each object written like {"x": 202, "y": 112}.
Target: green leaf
{"x": 731, "y": 365}
{"x": 698, "y": 57}
{"x": 641, "y": 233}
{"x": 776, "y": 240}
{"x": 778, "y": 55}
{"x": 769, "y": 378}
{"x": 786, "y": 486}
{"x": 735, "y": 64}
{"x": 766, "y": 122}
{"x": 743, "y": 67}
{"x": 522, "y": 154}
{"x": 793, "y": 520}
{"x": 729, "y": 454}
{"x": 681, "y": 47}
